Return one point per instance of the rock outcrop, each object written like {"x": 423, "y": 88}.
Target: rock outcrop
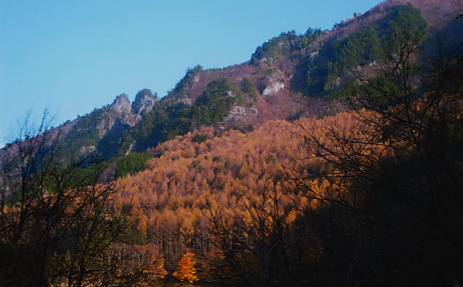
{"x": 144, "y": 102}
{"x": 120, "y": 112}
{"x": 237, "y": 114}
{"x": 121, "y": 106}
{"x": 274, "y": 87}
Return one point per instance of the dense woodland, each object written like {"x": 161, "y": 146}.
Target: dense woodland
{"x": 369, "y": 194}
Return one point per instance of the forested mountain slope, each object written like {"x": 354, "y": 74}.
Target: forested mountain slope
{"x": 282, "y": 78}
{"x": 287, "y": 77}
{"x": 331, "y": 158}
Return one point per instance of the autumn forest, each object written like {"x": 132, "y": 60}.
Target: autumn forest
{"x": 361, "y": 185}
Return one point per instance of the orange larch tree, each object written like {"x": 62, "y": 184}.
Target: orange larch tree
{"x": 186, "y": 270}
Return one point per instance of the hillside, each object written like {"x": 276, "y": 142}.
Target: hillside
{"x": 331, "y": 158}
{"x": 177, "y": 189}
{"x": 273, "y": 84}
{"x": 287, "y": 77}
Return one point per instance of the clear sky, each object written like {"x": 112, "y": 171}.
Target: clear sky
{"x": 72, "y": 56}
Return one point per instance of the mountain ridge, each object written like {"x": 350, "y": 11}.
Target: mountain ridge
{"x": 330, "y": 158}
{"x": 272, "y": 85}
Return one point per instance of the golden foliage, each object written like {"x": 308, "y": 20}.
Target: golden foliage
{"x": 186, "y": 270}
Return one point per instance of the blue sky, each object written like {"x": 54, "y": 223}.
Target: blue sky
{"x": 73, "y": 56}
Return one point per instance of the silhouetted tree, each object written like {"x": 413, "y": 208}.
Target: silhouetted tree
{"x": 56, "y": 227}
{"x": 391, "y": 206}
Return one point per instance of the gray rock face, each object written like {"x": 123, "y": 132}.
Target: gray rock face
{"x": 121, "y": 105}
{"x": 186, "y": 101}
{"x": 119, "y": 111}
{"x": 273, "y": 87}
{"x": 237, "y": 113}
{"x": 144, "y": 102}
{"x": 85, "y": 150}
